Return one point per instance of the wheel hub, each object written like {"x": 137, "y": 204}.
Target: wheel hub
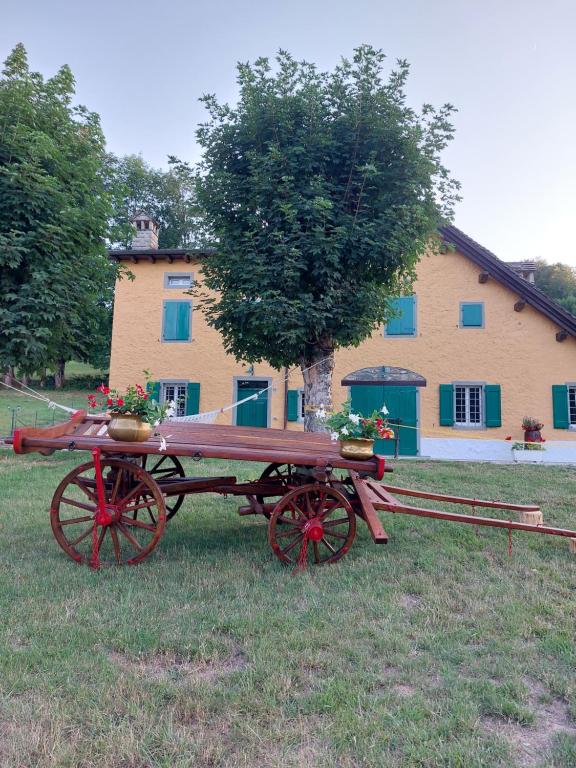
{"x": 314, "y": 530}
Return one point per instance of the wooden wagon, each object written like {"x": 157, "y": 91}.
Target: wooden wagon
{"x": 113, "y": 509}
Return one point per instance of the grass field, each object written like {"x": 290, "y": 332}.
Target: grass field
{"x": 435, "y": 650}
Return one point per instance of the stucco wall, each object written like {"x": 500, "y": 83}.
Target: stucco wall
{"x": 517, "y": 350}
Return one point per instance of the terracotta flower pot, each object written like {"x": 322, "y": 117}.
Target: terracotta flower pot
{"x": 357, "y": 448}
{"x": 128, "y": 428}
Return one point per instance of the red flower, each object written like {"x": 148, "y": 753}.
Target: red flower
{"x": 119, "y": 401}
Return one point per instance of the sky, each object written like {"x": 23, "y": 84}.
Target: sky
{"x": 509, "y": 66}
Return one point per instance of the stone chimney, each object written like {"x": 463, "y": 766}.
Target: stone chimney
{"x": 146, "y": 232}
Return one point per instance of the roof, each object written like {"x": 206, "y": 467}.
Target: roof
{"x": 504, "y": 274}
{"x": 158, "y": 254}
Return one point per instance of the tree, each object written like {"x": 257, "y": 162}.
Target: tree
{"x": 168, "y": 196}
{"x": 54, "y": 214}
{"x": 322, "y": 191}
{"x": 557, "y": 281}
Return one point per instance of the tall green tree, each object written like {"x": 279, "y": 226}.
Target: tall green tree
{"x": 168, "y": 196}
{"x": 557, "y": 281}
{"x": 54, "y": 215}
{"x": 322, "y": 189}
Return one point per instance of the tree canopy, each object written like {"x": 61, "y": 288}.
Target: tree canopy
{"x": 167, "y": 196}
{"x": 557, "y": 281}
{"x": 322, "y": 190}
{"x": 55, "y": 278}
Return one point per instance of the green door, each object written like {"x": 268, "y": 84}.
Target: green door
{"x": 254, "y": 413}
{"x": 401, "y": 403}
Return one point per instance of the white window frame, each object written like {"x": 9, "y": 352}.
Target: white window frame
{"x": 301, "y": 404}
{"x": 467, "y": 385}
{"x": 180, "y": 411}
{"x": 168, "y": 276}
{"x": 571, "y": 387}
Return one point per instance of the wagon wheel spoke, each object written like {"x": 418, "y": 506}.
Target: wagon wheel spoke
{"x": 117, "y": 480}
{"x": 154, "y": 469}
{"x": 291, "y": 521}
{"x": 292, "y": 544}
{"x": 316, "y": 552}
{"x": 334, "y": 523}
{"x": 87, "y": 491}
{"x": 122, "y": 528}
{"x": 78, "y": 504}
{"x": 74, "y": 520}
{"x": 82, "y": 536}
{"x": 116, "y": 544}
{"x": 137, "y": 524}
{"x": 327, "y": 544}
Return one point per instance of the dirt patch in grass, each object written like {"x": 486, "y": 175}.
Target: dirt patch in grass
{"x": 531, "y": 744}
{"x": 172, "y": 668}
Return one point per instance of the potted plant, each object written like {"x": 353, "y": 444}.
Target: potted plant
{"x": 133, "y": 413}
{"x": 531, "y": 428}
{"x": 357, "y": 433}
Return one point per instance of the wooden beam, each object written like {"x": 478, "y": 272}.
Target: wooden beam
{"x": 483, "y": 277}
{"x": 561, "y": 336}
{"x": 519, "y": 306}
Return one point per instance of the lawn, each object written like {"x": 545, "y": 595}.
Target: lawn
{"x": 434, "y": 650}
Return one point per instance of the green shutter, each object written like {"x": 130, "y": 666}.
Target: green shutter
{"x": 472, "y": 315}
{"x": 446, "y": 405}
{"x": 493, "y": 405}
{"x": 292, "y": 409}
{"x": 404, "y": 323}
{"x": 176, "y": 325}
{"x": 560, "y": 406}
{"x": 153, "y": 389}
{"x": 193, "y": 398}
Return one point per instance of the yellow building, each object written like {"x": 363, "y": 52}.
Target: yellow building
{"x": 480, "y": 345}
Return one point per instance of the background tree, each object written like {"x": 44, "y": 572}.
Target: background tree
{"x": 169, "y": 196}
{"x": 54, "y": 213}
{"x": 557, "y": 281}
{"x": 322, "y": 190}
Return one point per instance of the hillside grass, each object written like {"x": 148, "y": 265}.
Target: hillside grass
{"x": 434, "y": 650}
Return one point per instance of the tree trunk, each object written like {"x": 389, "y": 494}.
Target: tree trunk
{"x": 59, "y": 374}
{"x": 9, "y": 376}
{"x": 317, "y": 366}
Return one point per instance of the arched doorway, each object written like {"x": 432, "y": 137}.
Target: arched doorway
{"x": 397, "y": 389}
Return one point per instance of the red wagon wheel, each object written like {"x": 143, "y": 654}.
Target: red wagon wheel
{"x": 313, "y": 523}
{"x": 283, "y": 475}
{"x": 165, "y": 468}
{"x": 126, "y": 539}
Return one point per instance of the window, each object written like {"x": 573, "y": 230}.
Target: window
{"x": 468, "y": 405}
{"x": 301, "y": 405}
{"x": 404, "y": 321}
{"x": 471, "y": 314}
{"x": 176, "y": 321}
{"x": 181, "y": 280}
{"x": 572, "y": 405}
{"x": 172, "y": 391}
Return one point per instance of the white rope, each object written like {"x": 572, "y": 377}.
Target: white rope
{"x": 37, "y": 396}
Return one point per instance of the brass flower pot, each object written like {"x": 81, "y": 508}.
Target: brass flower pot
{"x": 357, "y": 448}
{"x": 128, "y": 428}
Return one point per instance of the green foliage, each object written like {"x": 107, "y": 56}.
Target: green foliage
{"x": 55, "y": 280}
{"x": 322, "y": 190}
{"x": 167, "y": 196}
{"x": 345, "y": 424}
{"x": 559, "y": 282}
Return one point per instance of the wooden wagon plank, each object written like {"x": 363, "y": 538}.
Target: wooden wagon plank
{"x": 368, "y": 510}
